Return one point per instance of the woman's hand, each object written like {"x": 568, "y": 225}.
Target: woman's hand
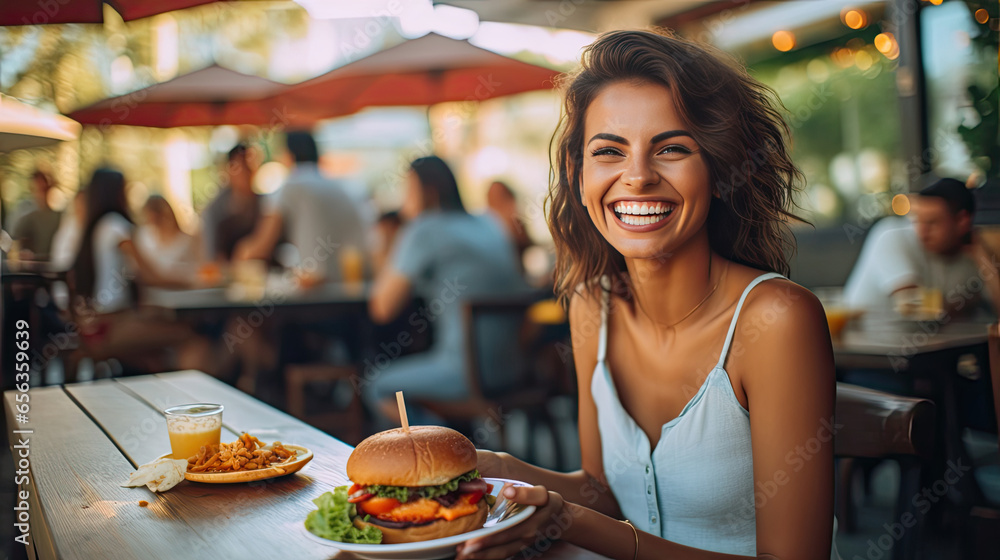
{"x": 534, "y": 529}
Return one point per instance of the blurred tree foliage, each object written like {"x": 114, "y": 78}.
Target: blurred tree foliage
{"x": 838, "y": 108}
{"x": 64, "y": 67}
{"x": 983, "y": 138}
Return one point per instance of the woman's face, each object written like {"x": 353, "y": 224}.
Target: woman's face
{"x": 644, "y": 181}
{"x": 413, "y": 202}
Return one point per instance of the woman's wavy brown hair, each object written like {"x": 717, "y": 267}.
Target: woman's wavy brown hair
{"x": 736, "y": 120}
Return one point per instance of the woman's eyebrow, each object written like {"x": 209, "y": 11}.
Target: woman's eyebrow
{"x": 656, "y": 139}
{"x": 609, "y": 137}
{"x": 669, "y": 134}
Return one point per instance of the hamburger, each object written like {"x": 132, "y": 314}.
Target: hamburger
{"x": 417, "y": 485}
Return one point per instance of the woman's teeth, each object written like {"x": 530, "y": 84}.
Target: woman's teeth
{"x": 641, "y": 214}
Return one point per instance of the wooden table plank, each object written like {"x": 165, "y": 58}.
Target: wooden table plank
{"x": 192, "y": 520}
{"x": 136, "y": 427}
{"x": 84, "y": 513}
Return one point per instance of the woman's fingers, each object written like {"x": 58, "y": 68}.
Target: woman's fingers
{"x": 510, "y": 541}
{"x": 526, "y": 495}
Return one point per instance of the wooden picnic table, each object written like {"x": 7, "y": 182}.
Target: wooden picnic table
{"x": 86, "y": 438}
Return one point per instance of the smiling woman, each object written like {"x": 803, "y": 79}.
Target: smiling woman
{"x": 668, "y": 209}
{"x": 733, "y": 121}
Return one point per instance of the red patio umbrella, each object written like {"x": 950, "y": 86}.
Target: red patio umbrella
{"x": 425, "y": 71}
{"x": 41, "y": 12}
{"x": 210, "y": 96}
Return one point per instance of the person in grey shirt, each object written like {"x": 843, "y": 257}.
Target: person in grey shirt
{"x": 446, "y": 256}
{"x": 36, "y": 229}
{"x": 235, "y": 211}
{"x": 319, "y": 217}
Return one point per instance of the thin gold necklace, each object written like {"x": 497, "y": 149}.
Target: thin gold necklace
{"x": 708, "y": 295}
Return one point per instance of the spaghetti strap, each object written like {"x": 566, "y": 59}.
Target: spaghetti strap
{"x": 602, "y": 342}
{"x": 736, "y": 316}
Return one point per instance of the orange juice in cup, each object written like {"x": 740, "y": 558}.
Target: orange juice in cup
{"x": 193, "y": 426}
{"x": 352, "y": 265}
{"x": 837, "y": 318}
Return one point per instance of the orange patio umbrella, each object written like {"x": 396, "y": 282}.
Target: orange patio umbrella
{"x": 425, "y": 71}
{"x": 41, "y": 12}
{"x": 210, "y": 96}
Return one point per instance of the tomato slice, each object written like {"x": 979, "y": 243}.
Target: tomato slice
{"x": 354, "y": 489}
{"x": 362, "y": 496}
{"x": 474, "y": 497}
{"x": 379, "y": 506}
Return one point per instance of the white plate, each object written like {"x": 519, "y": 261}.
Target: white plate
{"x": 503, "y": 514}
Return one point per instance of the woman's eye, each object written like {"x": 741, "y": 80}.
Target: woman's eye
{"x": 606, "y": 152}
{"x": 675, "y": 149}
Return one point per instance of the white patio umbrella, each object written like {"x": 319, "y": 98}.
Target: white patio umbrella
{"x": 25, "y": 126}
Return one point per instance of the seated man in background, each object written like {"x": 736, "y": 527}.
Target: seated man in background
{"x": 235, "y": 211}
{"x": 935, "y": 260}
{"x": 36, "y": 229}
{"x": 321, "y": 219}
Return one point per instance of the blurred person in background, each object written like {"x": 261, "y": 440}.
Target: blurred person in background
{"x": 445, "y": 256}
{"x": 162, "y": 243}
{"x": 235, "y": 211}
{"x": 502, "y": 204}
{"x": 66, "y": 241}
{"x": 103, "y": 296}
{"x": 386, "y": 230}
{"x": 933, "y": 262}
{"x": 36, "y": 229}
{"x": 320, "y": 218}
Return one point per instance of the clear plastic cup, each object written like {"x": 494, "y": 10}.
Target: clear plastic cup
{"x": 193, "y": 426}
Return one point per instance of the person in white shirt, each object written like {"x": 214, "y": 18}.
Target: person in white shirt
{"x": 935, "y": 252}
{"x": 66, "y": 242}
{"x": 167, "y": 249}
{"x": 318, "y": 215}
{"x": 102, "y": 289}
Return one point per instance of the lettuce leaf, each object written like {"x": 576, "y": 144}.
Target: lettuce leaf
{"x": 333, "y": 520}
{"x": 402, "y": 493}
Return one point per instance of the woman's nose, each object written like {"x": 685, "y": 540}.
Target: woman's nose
{"x": 639, "y": 173}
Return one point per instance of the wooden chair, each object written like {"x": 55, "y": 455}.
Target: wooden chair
{"x": 994, "y": 346}
{"x": 347, "y": 423}
{"x": 884, "y": 426}
{"x": 530, "y": 393}
{"x": 983, "y": 524}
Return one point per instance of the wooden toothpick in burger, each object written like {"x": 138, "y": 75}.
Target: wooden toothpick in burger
{"x": 402, "y": 411}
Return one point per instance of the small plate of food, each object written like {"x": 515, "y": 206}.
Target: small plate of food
{"x": 245, "y": 460}
{"x": 416, "y": 494}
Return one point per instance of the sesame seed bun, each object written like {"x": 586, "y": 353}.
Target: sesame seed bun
{"x": 422, "y": 456}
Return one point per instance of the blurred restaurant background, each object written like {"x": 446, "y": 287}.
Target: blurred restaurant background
{"x": 882, "y": 97}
